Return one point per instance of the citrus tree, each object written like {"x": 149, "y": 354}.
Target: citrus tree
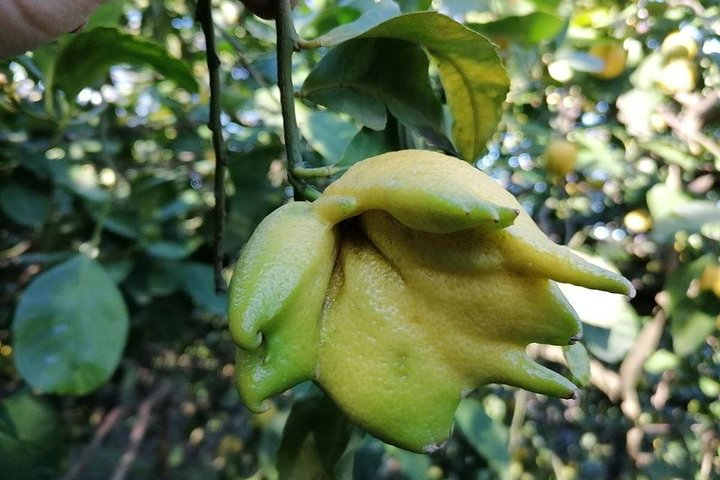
{"x": 391, "y": 182}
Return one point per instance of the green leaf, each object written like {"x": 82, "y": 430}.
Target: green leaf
{"x": 611, "y": 344}
{"x": 369, "y": 143}
{"x": 412, "y": 465}
{"x": 198, "y": 282}
{"x": 471, "y": 72}
{"x": 579, "y": 364}
{"x": 360, "y": 78}
{"x": 383, "y": 10}
{"x": 529, "y": 29}
{"x": 488, "y": 437}
{"x": 31, "y": 443}
{"x": 326, "y": 132}
{"x": 24, "y": 206}
{"x": 660, "y": 361}
{"x": 315, "y": 440}
{"x": 88, "y": 56}
{"x": 70, "y": 328}
{"x": 692, "y": 313}
{"x": 169, "y": 250}
{"x": 610, "y": 323}
{"x": 106, "y": 15}
{"x": 672, "y": 152}
{"x": 673, "y": 211}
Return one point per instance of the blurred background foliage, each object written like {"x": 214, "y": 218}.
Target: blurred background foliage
{"x": 610, "y": 138}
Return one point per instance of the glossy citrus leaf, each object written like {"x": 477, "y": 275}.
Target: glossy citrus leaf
{"x": 31, "y": 440}
{"x": 471, "y": 72}
{"x": 380, "y": 12}
{"x": 487, "y": 436}
{"x": 579, "y": 363}
{"x": 315, "y": 442}
{"x": 359, "y": 77}
{"x": 529, "y": 29}
{"x": 88, "y": 56}
{"x": 70, "y": 328}
{"x": 24, "y": 206}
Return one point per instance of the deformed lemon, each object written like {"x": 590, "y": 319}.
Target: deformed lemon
{"x": 427, "y": 281}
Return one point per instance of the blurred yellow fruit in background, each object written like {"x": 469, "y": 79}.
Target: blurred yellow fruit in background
{"x": 710, "y": 279}
{"x": 560, "y": 157}
{"x": 679, "y": 44}
{"x": 679, "y": 75}
{"x": 614, "y": 58}
{"x": 638, "y": 221}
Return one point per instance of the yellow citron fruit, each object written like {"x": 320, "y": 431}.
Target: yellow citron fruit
{"x": 427, "y": 280}
{"x": 679, "y": 44}
{"x": 614, "y": 58}
{"x": 560, "y": 157}
{"x": 678, "y": 75}
{"x": 638, "y": 221}
{"x": 710, "y": 279}
{"x": 26, "y": 24}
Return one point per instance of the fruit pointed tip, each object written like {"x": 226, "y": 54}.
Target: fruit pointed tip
{"x": 631, "y": 292}
{"x": 506, "y": 216}
{"x": 257, "y": 406}
{"x": 576, "y": 338}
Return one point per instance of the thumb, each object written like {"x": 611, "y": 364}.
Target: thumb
{"x": 26, "y": 24}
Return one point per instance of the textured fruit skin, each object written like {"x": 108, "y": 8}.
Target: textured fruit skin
{"x": 614, "y": 58}
{"x": 438, "y": 282}
{"x": 264, "y": 8}
{"x": 26, "y": 24}
{"x": 276, "y": 296}
{"x": 560, "y": 157}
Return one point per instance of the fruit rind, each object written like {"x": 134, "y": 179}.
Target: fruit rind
{"x": 436, "y": 282}
{"x": 276, "y": 296}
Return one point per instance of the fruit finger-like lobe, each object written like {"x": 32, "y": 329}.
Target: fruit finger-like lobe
{"x": 276, "y": 296}
{"x": 422, "y": 190}
{"x": 478, "y": 292}
{"x": 530, "y": 251}
{"x": 25, "y": 24}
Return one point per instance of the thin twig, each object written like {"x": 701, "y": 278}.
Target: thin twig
{"x": 106, "y": 426}
{"x": 285, "y": 44}
{"x": 204, "y": 15}
{"x": 317, "y": 172}
{"x": 631, "y": 368}
{"x": 137, "y": 434}
{"x": 518, "y": 418}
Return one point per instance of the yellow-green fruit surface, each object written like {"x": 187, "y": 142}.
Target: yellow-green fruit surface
{"x": 439, "y": 282}
{"x": 614, "y": 58}
{"x": 276, "y": 297}
{"x": 560, "y": 157}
